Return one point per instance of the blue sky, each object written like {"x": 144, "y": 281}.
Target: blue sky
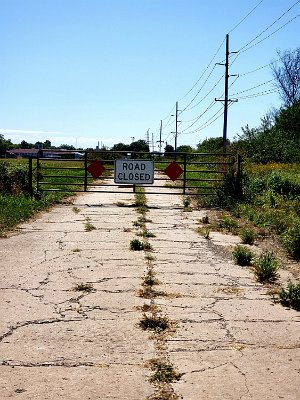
{"x": 83, "y": 71}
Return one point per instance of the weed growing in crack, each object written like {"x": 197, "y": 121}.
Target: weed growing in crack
{"x": 290, "y": 296}
{"x": 242, "y": 255}
{"x": 83, "y": 287}
{"x": 77, "y": 250}
{"x": 205, "y": 232}
{"x": 147, "y": 234}
{"x": 149, "y": 258}
{"x": 147, "y": 246}
{"x": 126, "y": 229}
{"x": 266, "y": 267}
{"x": 88, "y": 226}
{"x": 163, "y": 371}
{"x": 150, "y": 280}
{"x": 153, "y": 308}
{"x": 136, "y": 245}
{"x": 164, "y": 392}
{"x": 76, "y": 210}
{"x": 205, "y": 219}
{"x": 186, "y": 201}
{"x": 154, "y": 323}
{"x": 248, "y": 236}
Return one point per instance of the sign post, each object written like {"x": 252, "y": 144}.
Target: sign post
{"x": 134, "y": 172}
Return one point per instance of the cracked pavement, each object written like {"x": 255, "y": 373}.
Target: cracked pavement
{"x": 232, "y": 341}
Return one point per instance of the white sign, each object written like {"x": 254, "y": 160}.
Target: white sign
{"x": 134, "y": 172}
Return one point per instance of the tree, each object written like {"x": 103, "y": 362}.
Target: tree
{"x": 47, "y": 144}
{"x": 169, "y": 149}
{"x": 185, "y": 148}
{"x": 139, "y": 145}
{"x": 212, "y": 145}
{"x": 120, "y": 147}
{"x": 26, "y": 145}
{"x": 66, "y": 147}
{"x": 287, "y": 76}
{"x": 5, "y": 144}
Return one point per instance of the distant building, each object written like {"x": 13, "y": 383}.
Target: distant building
{"x": 27, "y": 153}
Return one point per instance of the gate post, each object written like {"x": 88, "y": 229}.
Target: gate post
{"x": 85, "y": 172}
{"x": 184, "y": 173}
{"x": 30, "y": 190}
{"x": 38, "y": 171}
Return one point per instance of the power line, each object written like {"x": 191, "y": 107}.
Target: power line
{"x": 264, "y": 93}
{"x": 209, "y": 64}
{"x": 245, "y": 47}
{"x": 254, "y": 87}
{"x": 258, "y": 69}
{"x": 249, "y": 13}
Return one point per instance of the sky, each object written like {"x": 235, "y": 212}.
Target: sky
{"x": 80, "y": 72}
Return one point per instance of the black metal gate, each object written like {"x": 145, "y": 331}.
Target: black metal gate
{"x": 93, "y": 171}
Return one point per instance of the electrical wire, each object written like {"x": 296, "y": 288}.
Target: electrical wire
{"x": 249, "y": 13}
{"x": 254, "y": 87}
{"x": 245, "y": 47}
{"x": 265, "y": 93}
{"x": 209, "y": 64}
{"x": 259, "y": 68}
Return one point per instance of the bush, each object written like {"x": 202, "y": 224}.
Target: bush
{"x": 242, "y": 255}
{"x": 266, "y": 267}
{"x": 13, "y": 179}
{"x": 248, "y": 236}
{"x": 291, "y": 240}
{"x": 136, "y": 245}
{"x": 290, "y": 297}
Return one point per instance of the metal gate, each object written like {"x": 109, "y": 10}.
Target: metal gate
{"x": 93, "y": 171}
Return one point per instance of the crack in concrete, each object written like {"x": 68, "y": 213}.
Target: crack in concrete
{"x": 22, "y": 324}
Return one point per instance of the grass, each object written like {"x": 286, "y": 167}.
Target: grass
{"x": 15, "y": 203}
{"x": 266, "y": 267}
{"x": 290, "y": 296}
{"x": 205, "y": 232}
{"x": 248, "y": 236}
{"x": 163, "y": 371}
{"x": 136, "y": 245}
{"x": 272, "y": 201}
{"x": 154, "y": 323}
{"x": 242, "y": 255}
{"x": 83, "y": 287}
{"x": 88, "y": 226}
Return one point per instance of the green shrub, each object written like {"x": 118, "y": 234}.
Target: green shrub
{"x": 242, "y": 255}
{"x": 291, "y": 240}
{"x": 136, "y": 245}
{"x": 290, "y": 296}
{"x": 266, "y": 267}
{"x": 13, "y": 178}
{"x": 248, "y": 236}
{"x": 228, "y": 223}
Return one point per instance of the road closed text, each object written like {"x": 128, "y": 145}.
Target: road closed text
{"x": 134, "y": 171}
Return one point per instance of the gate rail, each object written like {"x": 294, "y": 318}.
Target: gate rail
{"x": 202, "y": 173}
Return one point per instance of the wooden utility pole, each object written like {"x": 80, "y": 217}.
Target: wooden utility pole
{"x": 226, "y": 96}
{"x": 226, "y": 100}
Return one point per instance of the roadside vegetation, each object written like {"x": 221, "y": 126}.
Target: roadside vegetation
{"x": 16, "y": 204}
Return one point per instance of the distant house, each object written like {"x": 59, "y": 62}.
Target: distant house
{"x": 27, "y": 153}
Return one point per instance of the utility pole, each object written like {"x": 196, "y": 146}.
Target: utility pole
{"x": 176, "y": 128}
{"x": 152, "y": 141}
{"x": 160, "y": 132}
{"x": 147, "y": 138}
{"x": 226, "y": 100}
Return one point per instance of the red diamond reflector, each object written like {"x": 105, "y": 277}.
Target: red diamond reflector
{"x": 173, "y": 170}
{"x": 96, "y": 169}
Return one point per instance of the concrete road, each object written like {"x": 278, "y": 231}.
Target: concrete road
{"x": 71, "y": 307}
